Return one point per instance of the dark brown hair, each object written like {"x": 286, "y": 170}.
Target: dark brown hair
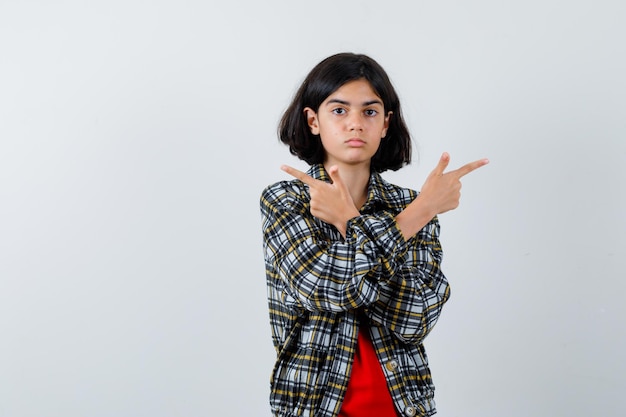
{"x": 328, "y": 76}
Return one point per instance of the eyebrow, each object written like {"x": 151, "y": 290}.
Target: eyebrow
{"x": 347, "y": 103}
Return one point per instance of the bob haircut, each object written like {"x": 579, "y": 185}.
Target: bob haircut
{"x": 328, "y": 76}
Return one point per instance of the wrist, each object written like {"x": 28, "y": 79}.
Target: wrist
{"x": 342, "y": 224}
{"x": 414, "y": 217}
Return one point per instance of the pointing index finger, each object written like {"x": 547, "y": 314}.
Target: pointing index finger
{"x": 467, "y": 168}
{"x": 298, "y": 174}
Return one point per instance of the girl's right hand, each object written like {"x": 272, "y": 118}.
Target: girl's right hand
{"x": 330, "y": 202}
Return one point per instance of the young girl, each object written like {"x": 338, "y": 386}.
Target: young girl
{"x": 353, "y": 262}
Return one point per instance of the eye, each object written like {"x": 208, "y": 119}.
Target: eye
{"x": 371, "y": 112}
{"x": 339, "y": 111}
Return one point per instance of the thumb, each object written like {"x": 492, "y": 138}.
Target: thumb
{"x": 333, "y": 171}
{"x": 442, "y": 165}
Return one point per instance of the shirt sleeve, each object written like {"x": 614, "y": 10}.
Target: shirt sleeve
{"x": 322, "y": 275}
{"x": 411, "y": 299}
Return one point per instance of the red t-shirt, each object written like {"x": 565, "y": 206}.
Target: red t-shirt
{"x": 367, "y": 394}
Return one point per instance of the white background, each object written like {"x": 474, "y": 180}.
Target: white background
{"x": 135, "y": 140}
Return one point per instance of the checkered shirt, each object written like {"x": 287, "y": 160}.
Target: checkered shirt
{"x": 321, "y": 288}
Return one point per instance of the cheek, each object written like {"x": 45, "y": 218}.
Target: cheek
{"x": 329, "y": 132}
{"x": 326, "y": 142}
{"x": 380, "y": 128}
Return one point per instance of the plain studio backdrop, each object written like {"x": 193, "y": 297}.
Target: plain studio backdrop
{"x": 136, "y": 138}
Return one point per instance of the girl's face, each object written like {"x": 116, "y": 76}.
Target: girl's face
{"x": 351, "y": 123}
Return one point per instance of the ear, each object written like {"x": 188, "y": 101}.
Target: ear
{"x": 311, "y": 119}
{"x": 386, "y": 125}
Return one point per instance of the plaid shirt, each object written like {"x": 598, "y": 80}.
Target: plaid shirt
{"x": 322, "y": 288}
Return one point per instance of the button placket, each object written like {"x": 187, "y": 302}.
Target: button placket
{"x": 391, "y": 365}
{"x": 410, "y": 411}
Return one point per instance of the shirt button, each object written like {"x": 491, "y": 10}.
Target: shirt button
{"x": 391, "y": 365}
{"x": 410, "y": 411}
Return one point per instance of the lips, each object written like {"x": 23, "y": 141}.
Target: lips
{"x": 355, "y": 142}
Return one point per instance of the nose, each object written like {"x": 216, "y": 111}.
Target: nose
{"x": 355, "y": 121}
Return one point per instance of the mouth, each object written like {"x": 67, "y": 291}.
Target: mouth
{"x": 356, "y": 142}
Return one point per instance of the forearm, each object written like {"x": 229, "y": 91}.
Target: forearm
{"x": 412, "y": 297}
{"x": 415, "y": 217}
{"x": 411, "y": 315}
{"x": 331, "y": 275}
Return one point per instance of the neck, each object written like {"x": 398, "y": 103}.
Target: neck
{"x": 356, "y": 178}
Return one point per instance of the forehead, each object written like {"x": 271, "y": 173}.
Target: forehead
{"x": 355, "y": 92}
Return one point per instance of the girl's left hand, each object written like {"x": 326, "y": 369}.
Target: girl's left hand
{"x": 330, "y": 202}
